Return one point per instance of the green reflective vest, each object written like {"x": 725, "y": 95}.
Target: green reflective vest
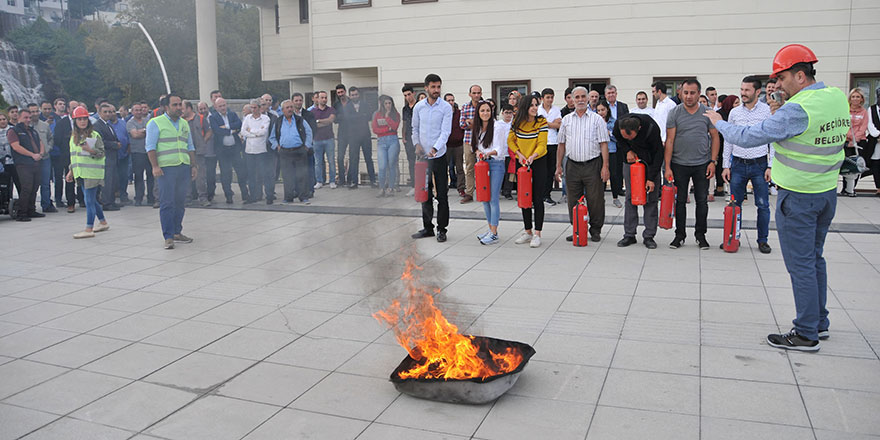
{"x": 171, "y": 148}
{"x": 82, "y": 164}
{"x": 810, "y": 162}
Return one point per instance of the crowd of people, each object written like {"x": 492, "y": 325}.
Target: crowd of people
{"x": 583, "y": 148}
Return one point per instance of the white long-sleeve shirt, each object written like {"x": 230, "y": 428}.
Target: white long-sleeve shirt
{"x": 661, "y": 111}
{"x": 499, "y": 141}
{"x": 255, "y": 132}
{"x": 743, "y": 116}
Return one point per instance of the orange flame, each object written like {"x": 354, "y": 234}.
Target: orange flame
{"x": 435, "y": 343}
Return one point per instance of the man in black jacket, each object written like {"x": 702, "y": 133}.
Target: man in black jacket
{"x": 27, "y": 151}
{"x": 357, "y": 118}
{"x": 638, "y": 138}
{"x": 61, "y": 163}
{"x": 111, "y": 152}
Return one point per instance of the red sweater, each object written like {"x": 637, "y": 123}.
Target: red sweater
{"x": 385, "y": 130}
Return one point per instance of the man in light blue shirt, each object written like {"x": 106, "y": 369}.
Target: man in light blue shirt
{"x": 286, "y": 137}
{"x": 431, "y": 125}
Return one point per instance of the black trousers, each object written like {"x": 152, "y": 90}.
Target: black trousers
{"x": 355, "y": 146}
{"x": 230, "y": 159}
{"x": 60, "y": 167}
{"x": 683, "y": 175}
{"x": 551, "y": 170}
{"x": 585, "y": 179}
{"x": 295, "y": 173}
{"x": 111, "y": 177}
{"x": 438, "y": 175}
{"x": 29, "y": 179}
{"x": 539, "y": 182}
{"x": 341, "y": 147}
{"x": 616, "y": 171}
{"x": 140, "y": 164}
{"x": 261, "y": 172}
{"x": 411, "y": 158}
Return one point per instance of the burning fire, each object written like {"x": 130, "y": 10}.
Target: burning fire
{"x": 435, "y": 343}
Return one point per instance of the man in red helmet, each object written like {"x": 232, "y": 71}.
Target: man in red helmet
{"x": 807, "y": 133}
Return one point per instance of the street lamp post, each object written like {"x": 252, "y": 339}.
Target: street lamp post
{"x": 158, "y": 57}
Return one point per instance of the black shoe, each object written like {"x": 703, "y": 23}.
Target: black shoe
{"x": 650, "y": 243}
{"x": 423, "y": 233}
{"x": 248, "y": 202}
{"x": 595, "y": 237}
{"x": 138, "y": 203}
{"x": 549, "y": 201}
{"x": 719, "y": 193}
{"x": 229, "y": 200}
{"x": 508, "y": 196}
{"x": 764, "y": 248}
{"x": 22, "y": 219}
{"x": 721, "y": 246}
{"x": 269, "y": 201}
{"x": 353, "y": 186}
{"x": 570, "y": 238}
{"x": 36, "y": 215}
{"x": 702, "y": 243}
{"x": 676, "y": 243}
{"x": 824, "y": 334}
{"x": 50, "y": 208}
{"x": 61, "y": 204}
{"x": 110, "y": 208}
{"x": 626, "y": 241}
{"x": 792, "y": 341}
{"x": 441, "y": 237}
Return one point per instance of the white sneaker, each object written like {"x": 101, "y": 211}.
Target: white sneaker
{"x": 101, "y": 227}
{"x": 524, "y": 238}
{"x": 536, "y": 241}
{"x": 84, "y": 234}
{"x": 332, "y": 185}
{"x": 318, "y": 185}
{"x": 773, "y": 191}
{"x": 411, "y": 192}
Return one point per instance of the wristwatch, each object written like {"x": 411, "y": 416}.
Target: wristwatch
{"x": 714, "y": 162}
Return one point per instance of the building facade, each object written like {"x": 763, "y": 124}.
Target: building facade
{"x": 528, "y": 45}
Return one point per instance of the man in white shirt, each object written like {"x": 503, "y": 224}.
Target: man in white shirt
{"x": 712, "y": 97}
{"x": 642, "y": 105}
{"x": 743, "y": 165}
{"x": 554, "y": 120}
{"x": 260, "y": 166}
{"x": 583, "y": 139}
{"x": 663, "y": 107}
{"x": 432, "y": 124}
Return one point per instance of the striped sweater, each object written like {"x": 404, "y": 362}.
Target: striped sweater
{"x": 528, "y": 138}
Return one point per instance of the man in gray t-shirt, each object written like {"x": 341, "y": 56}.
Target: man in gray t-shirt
{"x": 691, "y": 143}
{"x": 140, "y": 163}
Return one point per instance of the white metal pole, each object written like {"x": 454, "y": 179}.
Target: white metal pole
{"x": 158, "y": 57}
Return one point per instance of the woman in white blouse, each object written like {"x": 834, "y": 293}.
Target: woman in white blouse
{"x": 489, "y": 142}
{"x": 260, "y": 166}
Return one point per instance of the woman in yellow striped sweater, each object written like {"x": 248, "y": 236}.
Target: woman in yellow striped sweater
{"x": 528, "y": 141}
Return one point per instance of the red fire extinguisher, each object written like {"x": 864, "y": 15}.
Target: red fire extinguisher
{"x": 667, "y": 206}
{"x": 732, "y": 225}
{"x": 481, "y": 175}
{"x": 524, "y": 187}
{"x": 580, "y": 219}
{"x": 421, "y": 181}
{"x": 639, "y": 195}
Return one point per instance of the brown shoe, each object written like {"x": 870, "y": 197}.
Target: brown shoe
{"x": 466, "y": 199}
{"x": 71, "y": 209}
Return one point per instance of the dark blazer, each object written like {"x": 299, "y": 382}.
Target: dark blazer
{"x": 219, "y": 133}
{"x": 358, "y": 121}
{"x": 61, "y": 135}
{"x": 108, "y": 135}
{"x": 622, "y": 109}
{"x": 309, "y": 117}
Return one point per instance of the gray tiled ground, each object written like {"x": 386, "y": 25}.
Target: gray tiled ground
{"x": 261, "y": 329}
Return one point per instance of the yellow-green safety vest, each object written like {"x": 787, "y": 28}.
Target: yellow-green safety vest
{"x": 171, "y": 148}
{"x": 810, "y": 162}
{"x": 82, "y": 164}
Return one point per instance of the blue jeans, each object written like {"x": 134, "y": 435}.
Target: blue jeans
{"x": 93, "y": 208}
{"x": 743, "y": 171}
{"x": 326, "y": 147}
{"x": 492, "y": 208}
{"x": 388, "y": 150}
{"x": 45, "y": 183}
{"x": 802, "y": 221}
{"x": 173, "y": 187}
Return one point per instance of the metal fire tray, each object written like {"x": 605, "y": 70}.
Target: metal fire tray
{"x": 472, "y": 391}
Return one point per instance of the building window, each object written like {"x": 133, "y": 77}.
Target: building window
{"x": 345, "y": 4}
{"x": 597, "y": 84}
{"x": 277, "y": 20}
{"x": 10, "y": 2}
{"x": 406, "y": 2}
{"x": 868, "y": 83}
{"x": 500, "y": 89}
{"x": 303, "y": 11}
{"x": 672, "y": 83}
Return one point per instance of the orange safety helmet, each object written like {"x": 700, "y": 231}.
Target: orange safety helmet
{"x": 80, "y": 112}
{"x": 790, "y": 55}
